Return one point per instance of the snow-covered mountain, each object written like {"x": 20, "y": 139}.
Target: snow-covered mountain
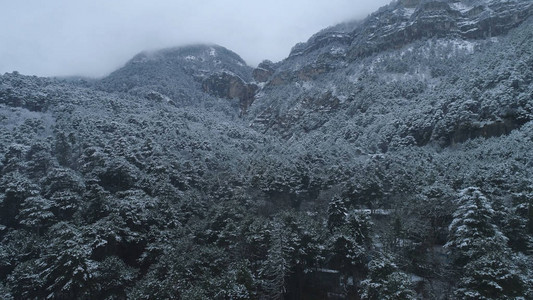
{"x": 387, "y": 158}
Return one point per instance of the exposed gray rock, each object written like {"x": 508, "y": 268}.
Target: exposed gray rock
{"x": 264, "y": 71}
{"x": 403, "y": 22}
{"x": 230, "y": 86}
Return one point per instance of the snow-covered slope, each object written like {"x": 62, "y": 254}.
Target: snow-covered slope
{"x": 397, "y": 63}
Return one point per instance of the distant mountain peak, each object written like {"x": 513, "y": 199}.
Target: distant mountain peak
{"x": 198, "y": 52}
{"x": 181, "y": 69}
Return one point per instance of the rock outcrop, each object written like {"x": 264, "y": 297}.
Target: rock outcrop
{"x": 230, "y": 86}
{"x": 264, "y": 71}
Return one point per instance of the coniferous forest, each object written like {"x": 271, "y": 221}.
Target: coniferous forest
{"x": 389, "y": 158}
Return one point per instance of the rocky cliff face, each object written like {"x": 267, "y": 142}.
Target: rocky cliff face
{"x": 230, "y": 86}
{"x": 264, "y": 71}
{"x": 398, "y": 24}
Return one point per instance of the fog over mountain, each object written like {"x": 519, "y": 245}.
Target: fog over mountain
{"x": 92, "y": 38}
{"x": 383, "y": 158}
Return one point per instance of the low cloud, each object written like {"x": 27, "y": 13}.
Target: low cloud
{"x": 93, "y": 38}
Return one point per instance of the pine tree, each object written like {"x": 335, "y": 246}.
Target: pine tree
{"x": 275, "y": 271}
{"x": 480, "y": 250}
{"x": 337, "y": 213}
{"x": 491, "y": 276}
{"x": 36, "y": 213}
{"x": 277, "y": 266}
{"x": 66, "y": 266}
{"x": 5, "y": 293}
{"x": 349, "y": 244}
{"x": 472, "y": 233}
{"x": 385, "y": 281}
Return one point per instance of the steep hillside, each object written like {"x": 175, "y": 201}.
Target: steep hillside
{"x": 388, "y": 158}
{"x": 335, "y": 72}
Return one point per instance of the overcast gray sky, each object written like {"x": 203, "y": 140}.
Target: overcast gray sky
{"x": 94, "y": 37}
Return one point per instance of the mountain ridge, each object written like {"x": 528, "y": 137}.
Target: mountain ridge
{"x": 391, "y": 27}
{"x": 402, "y": 22}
